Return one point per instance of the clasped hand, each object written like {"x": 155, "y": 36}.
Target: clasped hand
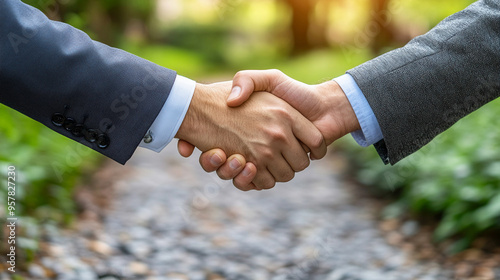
{"x": 269, "y": 135}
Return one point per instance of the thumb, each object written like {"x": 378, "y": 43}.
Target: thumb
{"x": 247, "y": 82}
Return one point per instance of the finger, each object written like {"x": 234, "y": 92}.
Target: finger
{"x": 281, "y": 170}
{"x": 243, "y": 181}
{"x": 256, "y": 188}
{"x": 295, "y": 155}
{"x": 264, "y": 179}
{"x": 305, "y": 147}
{"x": 212, "y": 160}
{"x": 185, "y": 148}
{"x": 307, "y": 133}
{"x": 233, "y": 166}
{"x": 247, "y": 82}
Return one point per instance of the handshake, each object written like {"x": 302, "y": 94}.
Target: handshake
{"x": 270, "y": 135}
{"x": 414, "y": 93}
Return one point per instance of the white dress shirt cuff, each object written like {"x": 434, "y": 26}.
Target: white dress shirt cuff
{"x": 171, "y": 116}
{"x": 370, "y": 132}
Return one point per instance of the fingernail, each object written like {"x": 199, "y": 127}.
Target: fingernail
{"x": 234, "y": 164}
{"x": 246, "y": 172}
{"x": 235, "y": 93}
{"x": 215, "y": 160}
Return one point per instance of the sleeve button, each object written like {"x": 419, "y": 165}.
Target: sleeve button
{"x": 58, "y": 119}
{"x": 78, "y": 130}
{"x": 148, "y": 138}
{"x": 91, "y": 135}
{"x": 69, "y": 124}
{"x": 103, "y": 141}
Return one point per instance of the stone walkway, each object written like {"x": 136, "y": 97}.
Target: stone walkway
{"x": 169, "y": 220}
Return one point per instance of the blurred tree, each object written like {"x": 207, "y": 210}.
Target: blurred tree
{"x": 319, "y": 32}
{"x": 106, "y": 20}
{"x": 308, "y": 24}
{"x": 300, "y": 23}
{"x": 381, "y": 25}
{"x": 386, "y": 34}
{"x": 310, "y": 21}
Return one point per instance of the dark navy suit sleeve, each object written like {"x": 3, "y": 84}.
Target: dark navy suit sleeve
{"x": 100, "y": 96}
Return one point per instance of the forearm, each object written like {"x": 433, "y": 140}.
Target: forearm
{"x": 49, "y": 67}
{"x": 420, "y": 90}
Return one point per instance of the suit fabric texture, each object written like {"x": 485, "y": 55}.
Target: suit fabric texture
{"x": 100, "y": 96}
{"x": 422, "y": 89}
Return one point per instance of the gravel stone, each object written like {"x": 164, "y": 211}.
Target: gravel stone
{"x": 36, "y": 271}
{"x": 171, "y": 220}
{"x": 410, "y": 228}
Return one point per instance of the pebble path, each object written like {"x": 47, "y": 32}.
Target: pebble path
{"x": 169, "y": 220}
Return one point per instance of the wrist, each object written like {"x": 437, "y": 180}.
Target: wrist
{"x": 206, "y": 115}
{"x": 339, "y": 108}
{"x": 189, "y": 125}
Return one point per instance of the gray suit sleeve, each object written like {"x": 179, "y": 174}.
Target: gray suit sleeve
{"x": 100, "y": 96}
{"x": 422, "y": 89}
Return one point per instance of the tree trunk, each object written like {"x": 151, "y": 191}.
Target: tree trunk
{"x": 318, "y": 31}
{"x": 301, "y": 20}
{"x": 99, "y": 22}
{"x": 381, "y": 26}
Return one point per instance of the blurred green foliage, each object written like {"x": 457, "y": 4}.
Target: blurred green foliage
{"x": 455, "y": 178}
{"x": 48, "y": 166}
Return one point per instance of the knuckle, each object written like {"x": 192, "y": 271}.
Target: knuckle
{"x": 266, "y": 155}
{"x": 275, "y": 72}
{"x": 282, "y": 112}
{"x": 277, "y": 134}
{"x": 238, "y": 75}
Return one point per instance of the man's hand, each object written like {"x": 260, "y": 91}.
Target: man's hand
{"x": 241, "y": 172}
{"x": 265, "y": 131}
{"x": 325, "y": 105}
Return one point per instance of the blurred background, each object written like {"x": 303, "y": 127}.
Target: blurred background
{"x": 454, "y": 182}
